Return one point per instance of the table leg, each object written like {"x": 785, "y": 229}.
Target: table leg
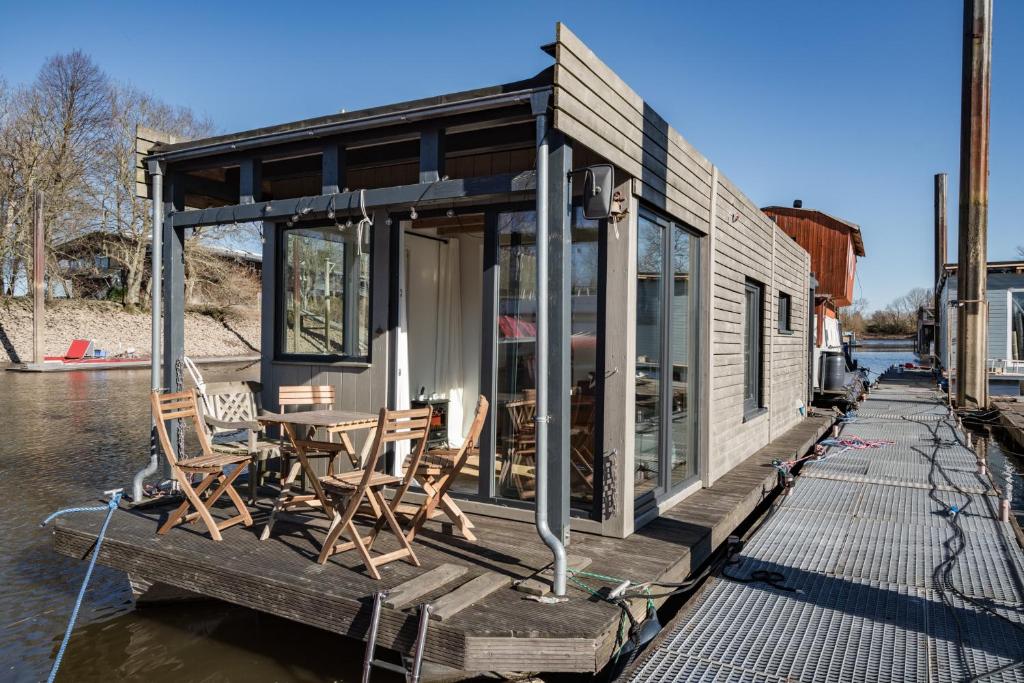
{"x": 287, "y": 497}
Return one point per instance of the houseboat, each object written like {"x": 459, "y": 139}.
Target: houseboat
{"x": 834, "y": 245}
{"x": 1005, "y": 304}
{"x": 405, "y": 262}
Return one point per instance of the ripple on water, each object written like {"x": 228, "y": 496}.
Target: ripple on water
{"x": 67, "y": 438}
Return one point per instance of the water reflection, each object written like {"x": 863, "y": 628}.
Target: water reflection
{"x": 66, "y": 438}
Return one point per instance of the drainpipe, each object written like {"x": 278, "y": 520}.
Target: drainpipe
{"x": 156, "y": 172}
{"x": 539, "y": 102}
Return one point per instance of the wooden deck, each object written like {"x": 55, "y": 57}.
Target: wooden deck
{"x": 504, "y": 631}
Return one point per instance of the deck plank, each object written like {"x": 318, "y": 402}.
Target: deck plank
{"x": 502, "y": 630}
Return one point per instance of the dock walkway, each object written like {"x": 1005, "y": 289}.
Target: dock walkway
{"x": 866, "y": 544}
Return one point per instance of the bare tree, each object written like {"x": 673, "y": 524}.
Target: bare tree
{"x": 125, "y": 215}
{"x": 51, "y": 134}
{"x": 900, "y": 316}
{"x": 71, "y": 133}
{"x": 852, "y": 317}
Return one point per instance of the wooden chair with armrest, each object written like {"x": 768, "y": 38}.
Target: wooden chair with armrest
{"x": 231, "y": 413}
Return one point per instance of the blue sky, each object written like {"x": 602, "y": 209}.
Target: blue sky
{"x": 850, "y": 106}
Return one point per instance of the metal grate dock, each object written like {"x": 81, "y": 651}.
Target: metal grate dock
{"x": 859, "y": 542}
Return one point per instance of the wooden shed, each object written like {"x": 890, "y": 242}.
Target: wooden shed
{"x": 833, "y": 243}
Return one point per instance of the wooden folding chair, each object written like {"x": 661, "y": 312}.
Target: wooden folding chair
{"x": 436, "y": 473}
{"x": 349, "y": 489}
{"x": 183, "y": 405}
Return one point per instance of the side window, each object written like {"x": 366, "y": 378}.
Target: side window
{"x": 753, "y": 343}
{"x": 785, "y": 308}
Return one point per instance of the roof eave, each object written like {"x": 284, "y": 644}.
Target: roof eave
{"x": 403, "y": 112}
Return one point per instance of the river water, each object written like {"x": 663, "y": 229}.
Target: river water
{"x": 66, "y": 438}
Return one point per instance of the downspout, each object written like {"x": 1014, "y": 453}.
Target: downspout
{"x": 539, "y": 102}
{"x": 156, "y": 171}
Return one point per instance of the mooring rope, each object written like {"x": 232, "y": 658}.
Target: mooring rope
{"x": 111, "y": 505}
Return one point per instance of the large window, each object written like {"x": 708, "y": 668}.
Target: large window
{"x": 1016, "y": 326}
{"x": 666, "y": 344}
{"x": 753, "y": 341}
{"x": 324, "y": 293}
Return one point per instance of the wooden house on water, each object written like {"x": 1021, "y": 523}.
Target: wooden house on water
{"x": 400, "y": 261}
{"x": 1005, "y": 297}
{"x": 834, "y": 245}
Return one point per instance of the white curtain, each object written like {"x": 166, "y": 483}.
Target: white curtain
{"x": 449, "y": 371}
{"x": 402, "y": 360}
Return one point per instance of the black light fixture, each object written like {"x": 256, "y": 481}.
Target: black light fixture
{"x": 798, "y": 203}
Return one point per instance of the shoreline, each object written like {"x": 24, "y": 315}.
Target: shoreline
{"x": 230, "y": 331}
{"x": 122, "y": 365}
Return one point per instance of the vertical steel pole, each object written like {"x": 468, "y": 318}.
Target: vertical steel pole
{"x": 539, "y": 104}
{"x": 941, "y": 250}
{"x": 38, "y": 279}
{"x": 972, "y": 273}
{"x": 155, "y": 256}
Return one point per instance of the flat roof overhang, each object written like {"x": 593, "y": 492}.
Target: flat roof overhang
{"x": 398, "y": 114}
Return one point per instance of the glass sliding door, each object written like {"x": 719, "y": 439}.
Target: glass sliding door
{"x": 666, "y": 357}
{"x": 515, "y": 362}
{"x": 650, "y": 259}
{"x": 584, "y": 348}
{"x": 682, "y": 463}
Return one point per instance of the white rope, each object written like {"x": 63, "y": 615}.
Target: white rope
{"x": 363, "y": 223}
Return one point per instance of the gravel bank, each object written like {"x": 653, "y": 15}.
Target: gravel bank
{"x": 227, "y": 332}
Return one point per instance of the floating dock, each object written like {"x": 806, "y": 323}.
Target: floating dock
{"x": 501, "y": 629}
{"x": 875, "y": 584}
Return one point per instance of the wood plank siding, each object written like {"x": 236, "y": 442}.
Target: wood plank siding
{"x": 831, "y": 245}
{"x": 1000, "y": 285}
{"x": 595, "y": 107}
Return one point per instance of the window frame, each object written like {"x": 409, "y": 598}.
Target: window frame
{"x": 753, "y": 401}
{"x": 280, "y": 310}
{"x": 784, "y": 323}
{"x": 665, "y": 487}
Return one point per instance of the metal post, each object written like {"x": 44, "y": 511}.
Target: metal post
{"x": 38, "y": 280}
{"x": 972, "y": 273}
{"x": 941, "y": 250}
{"x": 559, "y": 374}
{"x": 174, "y": 297}
{"x": 156, "y": 172}
{"x": 539, "y": 103}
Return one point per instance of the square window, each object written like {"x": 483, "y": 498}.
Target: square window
{"x": 323, "y": 294}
